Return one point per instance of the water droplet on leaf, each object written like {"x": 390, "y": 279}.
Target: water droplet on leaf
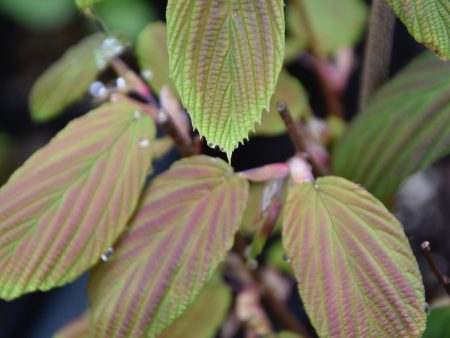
{"x": 162, "y": 117}
{"x": 97, "y": 89}
{"x": 316, "y": 186}
{"x": 110, "y": 47}
{"x": 137, "y": 114}
{"x": 252, "y": 264}
{"x": 121, "y": 83}
{"x": 105, "y": 256}
{"x": 147, "y": 74}
{"x": 427, "y": 308}
{"x": 144, "y": 143}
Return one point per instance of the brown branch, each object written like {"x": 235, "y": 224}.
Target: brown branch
{"x": 166, "y": 123}
{"x": 377, "y": 55}
{"x": 252, "y": 277}
{"x": 185, "y": 148}
{"x": 298, "y": 138}
{"x": 443, "y": 279}
{"x": 332, "y": 99}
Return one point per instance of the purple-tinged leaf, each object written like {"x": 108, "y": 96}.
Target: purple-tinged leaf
{"x": 356, "y": 272}
{"x": 78, "y": 328}
{"x": 405, "y": 128}
{"x": 69, "y": 77}
{"x": 182, "y": 230}
{"x": 70, "y": 201}
{"x": 204, "y": 316}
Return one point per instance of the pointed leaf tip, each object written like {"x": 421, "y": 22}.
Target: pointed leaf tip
{"x": 66, "y": 80}
{"x": 68, "y": 203}
{"x": 355, "y": 270}
{"x": 225, "y": 57}
{"x": 183, "y": 228}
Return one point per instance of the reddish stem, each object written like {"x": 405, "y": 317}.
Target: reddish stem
{"x": 443, "y": 279}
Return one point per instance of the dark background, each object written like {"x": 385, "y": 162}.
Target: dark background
{"x": 28, "y": 49}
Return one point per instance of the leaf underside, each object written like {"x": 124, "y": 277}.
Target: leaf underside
{"x": 405, "y": 128}
{"x": 225, "y": 57}
{"x": 69, "y": 78}
{"x": 69, "y": 202}
{"x": 182, "y": 230}
{"x": 428, "y": 21}
{"x": 355, "y": 270}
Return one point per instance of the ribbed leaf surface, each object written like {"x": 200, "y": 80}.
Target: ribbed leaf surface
{"x": 428, "y": 21}
{"x": 153, "y": 57}
{"x": 78, "y": 328}
{"x": 69, "y": 78}
{"x": 69, "y": 202}
{"x": 203, "y": 318}
{"x": 355, "y": 270}
{"x": 225, "y": 57}
{"x": 405, "y": 128}
{"x": 183, "y": 228}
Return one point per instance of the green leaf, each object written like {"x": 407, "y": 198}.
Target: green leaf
{"x": 290, "y": 90}
{"x": 78, "y": 328}
{"x": 5, "y": 154}
{"x": 86, "y": 3}
{"x": 438, "y": 323}
{"x": 286, "y": 334}
{"x": 428, "y": 21}
{"x": 335, "y": 24}
{"x": 225, "y": 57}
{"x": 70, "y": 201}
{"x": 183, "y": 229}
{"x": 405, "y": 128}
{"x": 356, "y": 273}
{"x": 127, "y": 17}
{"x": 198, "y": 321}
{"x": 276, "y": 257}
{"x": 40, "y": 16}
{"x": 153, "y": 57}
{"x": 69, "y": 78}
{"x": 204, "y": 316}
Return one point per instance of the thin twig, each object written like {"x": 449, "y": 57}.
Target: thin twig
{"x": 443, "y": 279}
{"x": 377, "y": 55}
{"x": 332, "y": 100}
{"x": 249, "y": 277}
{"x": 165, "y": 121}
{"x": 171, "y": 129}
{"x": 298, "y": 137}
